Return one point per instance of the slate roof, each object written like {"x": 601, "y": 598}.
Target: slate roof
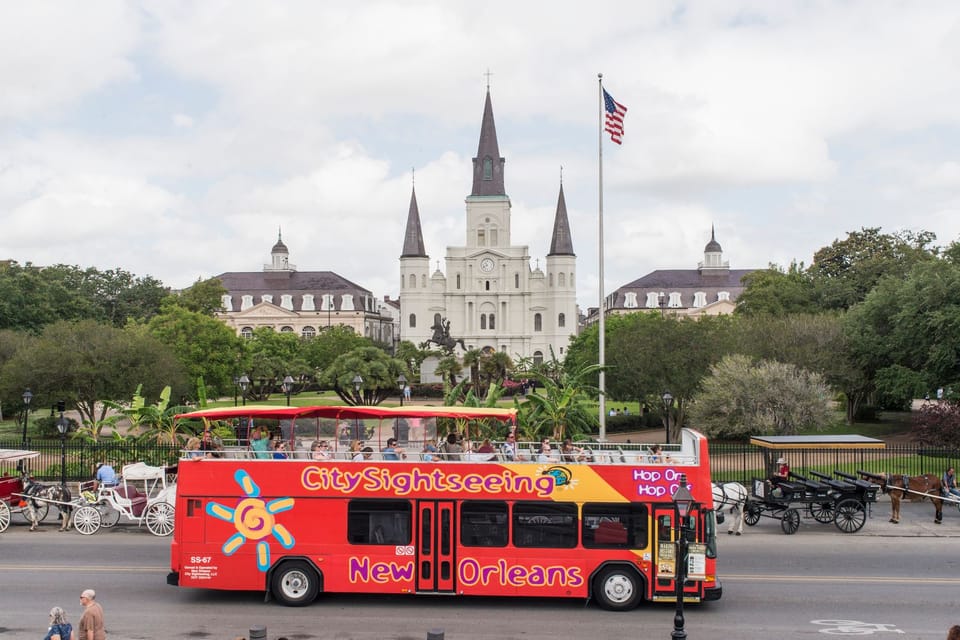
{"x": 293, "y": 283}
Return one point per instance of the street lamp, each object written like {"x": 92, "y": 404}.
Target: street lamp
{"x": 27, "y": 397}
{"x": 63, "y": 427}
{"x": 244, "y": 383}
{"x": 357, "y": 383}
{"x": 402, "y": 383}
{"x": 667, "y": 403}
{"x": 682, "y": 502}
{"x": 236, "y": 385}
{"x": 288, "y": 387}
{"x": 662, "y": 301}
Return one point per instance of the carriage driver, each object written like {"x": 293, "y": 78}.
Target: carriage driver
{"x": 949, "y": 484}
{"x": 105, "y": 476}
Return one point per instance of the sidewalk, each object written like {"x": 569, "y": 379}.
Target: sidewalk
{"x": 916, "y": 521}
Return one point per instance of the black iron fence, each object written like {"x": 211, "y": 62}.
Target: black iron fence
{"x": 729, "y": 461}
{"x": 742, "y": 462}
{"x": 83, "y": 457}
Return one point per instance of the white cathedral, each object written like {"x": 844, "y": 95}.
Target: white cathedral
{"x": 488, "y": 295}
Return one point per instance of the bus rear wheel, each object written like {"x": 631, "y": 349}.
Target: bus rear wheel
{"x": 617, "y": 589}
{"x": 295, "y": 584}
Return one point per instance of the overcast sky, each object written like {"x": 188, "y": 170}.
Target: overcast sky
{"x": 173, "y": 139}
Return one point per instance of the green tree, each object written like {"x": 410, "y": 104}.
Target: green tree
{"x": 847, "y": 270}
{"x": 320, "y": 351}
{"x": 560, "y": 408}
{"x": 203, "y": 296}
{"x": 85, "y": 363}
{"x": 205, "y": 346}
{"x": 269, "y": 357}
{"x": 377, "y": 369}
{"x": 741, "y": 397}
{"x": 774, "y": 291}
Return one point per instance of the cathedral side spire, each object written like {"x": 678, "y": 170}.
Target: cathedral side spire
{"x": 561, "y": 244}
{"x": 488, "y": 165}
{"x": 413, "y": 237}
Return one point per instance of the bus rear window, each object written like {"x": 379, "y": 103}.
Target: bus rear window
{"x": 615, "y": 526}
{"x": 378, "y": 522}
{"x": 538, "y": 524}
{"x": 484, "y": 524}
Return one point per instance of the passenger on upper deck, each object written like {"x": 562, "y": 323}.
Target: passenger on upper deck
{"x": 259, "y": 443}
{"x": 570, "y": 453}
{"x": 486, "y": 450}
{"x": 657, "y": 454}
{"x": 451, "y": 449}
{"x": 509, "y": 448}
{"x": 320, "y": 450}
{"x": 364, "y": 454}
{"x": 280, "y": 449}
{"x": 545, "y": 451}
{"x": 392, "y": 451}
{"x": 429, "y": 453}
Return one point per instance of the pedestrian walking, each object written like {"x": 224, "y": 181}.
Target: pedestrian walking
{"x": 59, "y": 628}
{"x": 91, "y": 625}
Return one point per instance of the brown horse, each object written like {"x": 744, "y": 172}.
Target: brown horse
{"x": 899, "y": 485}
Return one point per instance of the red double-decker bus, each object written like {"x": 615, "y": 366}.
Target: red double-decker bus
{"x": 595, "y": 522}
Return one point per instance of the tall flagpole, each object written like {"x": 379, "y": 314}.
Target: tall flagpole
{"x": 602, "y": 357}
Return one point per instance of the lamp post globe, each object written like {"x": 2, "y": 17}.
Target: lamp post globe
{"x": 357, "y": 384}
{"x": 402, "y": 383}
{"x": 667, "y": 404}
{"x": 27, "y": 397}
{"x": 63, "y": 427}
{"x": 244, "y": 383}
{"x": 682, "y": 503}
{"x": 288, "y": 387}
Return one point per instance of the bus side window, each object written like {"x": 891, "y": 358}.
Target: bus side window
{"x": 378, "y": 522}
{"x": 664, "y": 527}
{"x": 618, "y": 525}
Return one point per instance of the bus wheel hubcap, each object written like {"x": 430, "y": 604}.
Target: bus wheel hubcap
{"x": 294, "y": 583}
{"x": 618, "y": 588}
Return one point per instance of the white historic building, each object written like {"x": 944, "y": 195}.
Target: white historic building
{"x": 488, "y": 292}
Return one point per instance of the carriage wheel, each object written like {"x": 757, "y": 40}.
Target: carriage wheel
{"x": 851, "y": 516}
{"x": 40, "y": 508}
{"x": 108, "y": 516}
{"x": 86, "y": 520}
{"x": 159, "y": 518}
{"x": 822, "y": 512}
{"x": 790, "y": 521}
{"x": 751, "y": 513}
{"x": 4, "y": 516}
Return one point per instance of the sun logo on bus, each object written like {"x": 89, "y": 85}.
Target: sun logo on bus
{"x": 254, "y": 520}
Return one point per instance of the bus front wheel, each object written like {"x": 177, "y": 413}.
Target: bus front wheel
{"x": 295, "y": 584}
{"x": 617, "y": 589}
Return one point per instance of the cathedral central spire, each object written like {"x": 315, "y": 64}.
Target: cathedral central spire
{"x": 488, "y": 165}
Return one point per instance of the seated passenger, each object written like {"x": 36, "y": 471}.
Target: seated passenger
{"x": 320, "y": 450}
{"x": 486, "y": 450}
{"x": 451, "y": 449}
{"x": 355, "y": 450}
{"x": 509, "y": 448}
{"x": 545, "y": 452}
{"x": 364, "y": 454}
{"x": 657, "y": 454}
{"x": 429, "y": 453}
{"x": 392, "y": 451}
{"x": 570, "y": 453}
{"x": 193, "y": 448}
{"x": 280, "y": 449}
{"x": 259, "y": 444}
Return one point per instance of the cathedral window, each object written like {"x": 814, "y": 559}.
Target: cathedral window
{"x": 537, "y": 322}
{"x": 537, "y": 358}
{"x": 481, "y": 237}
{"x": 493, "y": 324}
{"x": 562, "y": 279}
{"x": 458, "y": 281}
{"x": 561, "y": 320}
{"x": 493, "y": 237}
{"x": 487, "y": 168}
{"x": 483, "y": 322}
{"x": 413, "y": 281}
{"x": 516, "y": 281}
{"x": 486, "y": 285}
{"x": 550, "y": 280}
{"x": 423, "y": 281}
{"x": 413, "y": 320}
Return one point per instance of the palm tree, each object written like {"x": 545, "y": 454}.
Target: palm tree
{"x": 563, "y": 408}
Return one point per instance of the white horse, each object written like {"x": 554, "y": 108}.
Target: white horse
{"x": 732, "y": 497}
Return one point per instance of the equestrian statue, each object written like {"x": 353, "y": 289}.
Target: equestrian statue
{"x": 441, "y": 337}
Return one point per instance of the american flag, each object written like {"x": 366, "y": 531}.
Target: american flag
{"x": 613, "y": 123}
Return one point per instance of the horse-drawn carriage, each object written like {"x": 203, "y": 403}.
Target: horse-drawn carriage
{"x": 841, "y": 499}
{"x": 143, "y": 496}
{"x": 12, "y": 489}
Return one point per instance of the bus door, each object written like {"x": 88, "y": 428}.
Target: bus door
{"x": 664, "y": 587}
{"x": 435, "y": 542}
